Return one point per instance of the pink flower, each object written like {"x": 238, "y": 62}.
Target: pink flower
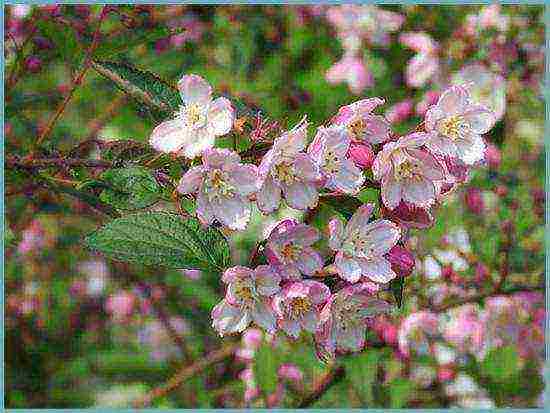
{"x": 425, "y": 64}
{"x": 492, "y": 156}
{"x": 485, "y": 87}
{"x": 400, "y": 111}
{"x": 360, "y": 246}
{"x": 361, "y": 154}
{"x": 298, "y": 305}
{"x": 251, "y": 340}
{"x": 429, "y": 99}
{"x": 120, "y": 305}
{"x": 401, "y": 260}
{"x": 362, "y": 124}
{"x": 198, "y": 122}
{"x": 33, "y": 238}
{"x": 417, "y": 332}
{"x": 407, "y": 173}
{"x": 474, "y": 200}
{"x": 286, "y": 170}
{"x": 289, "y": 250}
{"x": 343, "y": 319}
{"x": 329, "y": 150}
{"x": 246, "y": 300}
{"x": 410, "y": 216}
{"x": 456, "y": 123}
{"x": 351, "y": 70}
{"x": 290, "y": 372}
{"x": 222, "y": 185}
{"x": 464, "y": 329}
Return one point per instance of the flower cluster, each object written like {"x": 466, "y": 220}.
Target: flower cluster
{"x": 290, "y": 293}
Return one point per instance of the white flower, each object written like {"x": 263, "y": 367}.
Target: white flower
{"x": 198, "y": 122}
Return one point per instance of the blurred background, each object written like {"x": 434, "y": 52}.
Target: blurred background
{"x": 82, "y": 331}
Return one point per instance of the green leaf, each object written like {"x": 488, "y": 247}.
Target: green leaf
{"x": 159, "y": 238}
{"x": 400, "y": 391}
{"x": 126, "y": 150}
{"x": 143, "y": 86}
{"x": 500, "y": 364}
{"x": 266, "y": 363}
{"x": 64, "y": 38}
{"x": 361, "y": 372}
{"x": 396, "y": 286}
{"x": 130, "y": 188}
{"x": 345, "y": 204}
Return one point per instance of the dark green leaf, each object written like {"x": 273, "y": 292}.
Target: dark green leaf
{"x": 130, "y": 188}
{"x": 143, "y": 86}
{"x": 361, "y": 372}
{"x": 501, "y": 363}
{"x": 345, "y": 204}
{"x": 396, "y": 286}
{"x": 159, "y": 238}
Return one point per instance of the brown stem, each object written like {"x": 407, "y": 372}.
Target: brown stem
{"x": 326, "y": 382}
{"x": 186, "y": 373}
{"x": 76, "y": 81}
{"x": 41, "y": 163}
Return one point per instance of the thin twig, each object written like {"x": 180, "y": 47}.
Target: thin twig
{"x": 76, "y": 82}
{"x": 41, "y": 163}
{"x": 186, "y": 373}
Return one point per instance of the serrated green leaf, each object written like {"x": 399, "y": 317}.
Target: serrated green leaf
{"x": 143, "y": 86}
{"x": 130, "y": 188}
{"x": 159, "y": 238}
{"x": 266, "y": 363}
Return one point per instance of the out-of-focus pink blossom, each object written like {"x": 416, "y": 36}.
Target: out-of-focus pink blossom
{"x": 464, "y": 328}
{"x": 290, "y": 372}
{"x": 192, "y": 274}
{"x": 329, "y": 150}
{"x": 492, "y": 156}
{"x": 120, "y": 305}
{"x": 33, "y": 238}
{"x": 446, "y": 373}
{"x": 251, "y": 340}
{"x": 400, "y": 112}
{"x": 417, "y": 332}
{"x": 488, "y": 17}
{"x": 424, "y": 66}
{"x": 360, "y": 246}
{"x": 222, "y": 185}
{"x": 353, "y": 71}
{"x": 407, "y": 172}
{"x": 288, "y": 249}
{"x": 485, "y": 87}
{"x": 474, "y": 200}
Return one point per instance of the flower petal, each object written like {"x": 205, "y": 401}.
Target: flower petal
{"x": 378, "y": 270}
{"x": 190, "y": 182}
{"x": 244, "y": 178}
{"x": 481, "y": 119}
{"x": 309, "y": 261}
{"x": 268, "y": 197}
{"x": 348, "y": 268}
{"x": 348, "y": 179}
{"x": 199, "y": 140}
{"x": 378, "y": 129}
{"x": 267, "y": 280}
{"x": 419, "y": 192}
{"x": 301, "y": 195}
{"x": 228, "y": 319}
{"x": 205, "y": 214}
{"x": 220, "y": 116}
{"x": 391, "y": 192}
{"x": 169, "y": 136}
{"x": 360, "y": 218}
{"x": 194, "y": 89}
{"x": 233, "y": 212}
{"x": 472, "y": 150}
{"x": 306, "y": 168}
{"x": 262, "y": 314}
{"x": 381, "y": 235}
{"x": 336, "y": 233}
{"x": 453, "y": 100}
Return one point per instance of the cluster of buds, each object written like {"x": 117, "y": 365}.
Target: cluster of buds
{"x": 290, "y": 292}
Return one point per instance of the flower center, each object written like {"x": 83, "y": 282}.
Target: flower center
{"x": 408, "y": 169}
{"x": 290, "y": 253}
{"x": 244, "y": 292}
{"x": 332, "y": 162}
{"x": 194, "y": 115}
{"x": 217, "y": 185}
{"x": 453, "y": 127}
{"x": 347, "y": 315}
{"x": 284, "y": 172}
{"x": 299, "y": 306}
{"x": 357, "y": 127}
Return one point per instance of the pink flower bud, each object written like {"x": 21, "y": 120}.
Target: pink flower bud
{"x": 492, "y": 156}
{"x": 446, "y": 373}
{"x": 162, "y": 45}
{"x": 33, "y": 64}
{"x": 448, "y": 273}
{"x": 120, "y": 305}
{"x": 474, "y": 201}
{"x": 290, "y": 372}
{"x": 400, "y": 111}
{"x": 361, "y": 154}
{"x": 252, "y": 338}
{"x": 402, "y": 261}
{"x": 410, "y": 216}
{"x": 481, "y": 273}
